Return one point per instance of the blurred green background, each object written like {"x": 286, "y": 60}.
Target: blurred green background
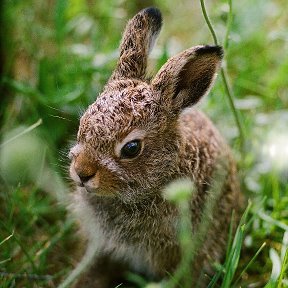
{"x": 56, "y": 56}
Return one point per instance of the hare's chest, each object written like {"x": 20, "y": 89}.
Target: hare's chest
{"x": 143, "y": 247}
{"x": 142, "y": 241}
{"x": 135, "y": 238}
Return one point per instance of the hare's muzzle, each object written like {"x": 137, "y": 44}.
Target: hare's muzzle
{"x": 84, "y": 178}
{"x": 83, "y": 171}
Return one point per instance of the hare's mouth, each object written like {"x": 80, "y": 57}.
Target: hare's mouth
{"x": 95, "y": 190}
{"x": 91, "y": 189}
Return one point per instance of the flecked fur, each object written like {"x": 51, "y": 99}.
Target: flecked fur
{"x": 124, "y": 215}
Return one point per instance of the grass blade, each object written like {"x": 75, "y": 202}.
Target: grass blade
{"x": 234, "y": 255}
{"x": 283, "y": 269}
{"x": 276, "y": 262}
{"x": 7, "y": 238}
{"x": 271, "y": 220}
{"x": 249, "y": 263}
{"x": 30, "y": 128}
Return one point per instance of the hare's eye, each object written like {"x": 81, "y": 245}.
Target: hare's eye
{"x": 131, "y": 149}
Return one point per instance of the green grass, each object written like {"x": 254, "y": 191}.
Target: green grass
{"x": 56, "y": 57}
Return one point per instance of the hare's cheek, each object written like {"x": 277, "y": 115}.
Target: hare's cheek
{"x": 73, "y": 173}
{"x": 110, "y": 182}
{"x": 103, "y": 183}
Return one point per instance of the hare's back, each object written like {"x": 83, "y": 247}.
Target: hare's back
{"x": 198, "y": 130}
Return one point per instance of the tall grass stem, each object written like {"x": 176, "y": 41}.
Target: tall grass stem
{"x": 224, "y": 76}
{"x": 229, "y": 24}
{"x": 204, "y": 11}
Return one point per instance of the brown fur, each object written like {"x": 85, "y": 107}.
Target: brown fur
{"x": 125, "y": 215}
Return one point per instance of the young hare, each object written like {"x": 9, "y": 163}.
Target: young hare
{"x": 137, "y": 137}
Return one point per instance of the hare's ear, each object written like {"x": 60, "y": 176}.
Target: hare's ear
{"x": 137, "y": 41}
{"x": 186, "y": 77}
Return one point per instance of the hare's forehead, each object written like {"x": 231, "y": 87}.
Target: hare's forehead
{"x": 113, "y": 116}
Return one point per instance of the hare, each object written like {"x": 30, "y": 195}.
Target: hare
{"x": 138, "y": 136}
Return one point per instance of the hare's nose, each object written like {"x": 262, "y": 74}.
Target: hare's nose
{"x": 84, "y": 168}
{"x": 85, "y": 178}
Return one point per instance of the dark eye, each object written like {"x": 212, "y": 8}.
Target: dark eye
{"x": 131, "y": 149}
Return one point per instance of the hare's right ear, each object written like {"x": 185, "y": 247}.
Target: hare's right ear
{"x": 186, "y": 77}
{"x": 137, "y": 41}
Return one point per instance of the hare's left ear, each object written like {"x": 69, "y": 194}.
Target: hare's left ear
{"x": 137, "y": 41}
{"x": 186, "y": 77}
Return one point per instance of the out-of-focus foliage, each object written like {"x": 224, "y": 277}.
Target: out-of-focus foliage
{"x": 55, "y": 58}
